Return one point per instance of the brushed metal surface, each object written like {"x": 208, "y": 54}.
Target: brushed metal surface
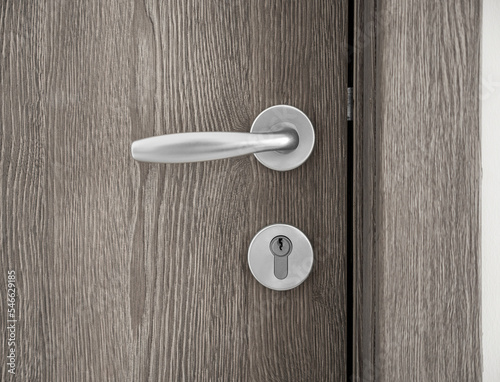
{"x": 280, "y": 116}
{"x": 283, "y": 132}
{"x": 261, "y": 259}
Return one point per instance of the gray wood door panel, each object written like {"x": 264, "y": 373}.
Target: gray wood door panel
{"x": 418, "y": 209}
{"x": 129, "y": 271}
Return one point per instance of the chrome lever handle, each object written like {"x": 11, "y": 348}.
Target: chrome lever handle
{"x": 197, "y": 147}
{"x": 281, "y": 137}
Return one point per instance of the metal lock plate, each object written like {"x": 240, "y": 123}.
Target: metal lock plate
{"x": 280, "y": 257}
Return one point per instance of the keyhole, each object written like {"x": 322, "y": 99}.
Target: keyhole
{"x": 281, "y": 247}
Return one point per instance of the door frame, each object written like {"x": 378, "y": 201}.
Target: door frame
{"x": 441, "y": 332}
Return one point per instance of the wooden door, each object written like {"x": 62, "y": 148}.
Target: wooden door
{"x": 135, "y": 271}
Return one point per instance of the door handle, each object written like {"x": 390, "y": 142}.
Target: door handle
{"x": 198, "y": 147}
{"x": 281, "y": 138}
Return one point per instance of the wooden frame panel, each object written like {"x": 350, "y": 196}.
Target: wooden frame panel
{"x": 417, "y": 191}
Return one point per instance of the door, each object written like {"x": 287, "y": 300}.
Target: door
{"x": 138, "y": 271}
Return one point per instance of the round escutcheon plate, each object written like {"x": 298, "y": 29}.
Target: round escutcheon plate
{"x": 274, "y": 119}
{"x": 263, "y": 262}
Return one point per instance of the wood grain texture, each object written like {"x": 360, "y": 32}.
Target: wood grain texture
{"x": 421, "y": 180}
{"x": 364, "y": 190}
{"x": 136, "y": 272}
